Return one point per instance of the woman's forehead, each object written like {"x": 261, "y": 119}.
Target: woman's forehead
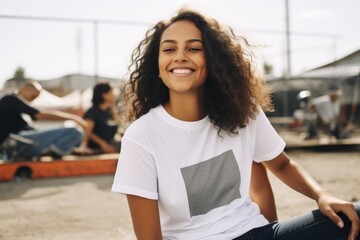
{"x": 181, "y": 30}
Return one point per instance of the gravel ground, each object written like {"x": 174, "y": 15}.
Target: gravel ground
{"x": 84, "y": 208}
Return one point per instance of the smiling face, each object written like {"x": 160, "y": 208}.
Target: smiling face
{"x": 182, "y": 64}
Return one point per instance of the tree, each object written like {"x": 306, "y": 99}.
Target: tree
{"x": 18, "y": 78}
{"x": 268, "y": 68}
{"x": 19, "y": 75}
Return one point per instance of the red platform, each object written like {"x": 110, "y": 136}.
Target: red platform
{"x": 68, "y": 166}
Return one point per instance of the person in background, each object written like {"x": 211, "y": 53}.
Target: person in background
{"x": 54, "y": 142}
{"x": 328, "y": 111}
{"x": 186, "y": 161}
{"x": 102, "y": 120}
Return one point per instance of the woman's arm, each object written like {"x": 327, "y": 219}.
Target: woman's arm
{"x": 58, "y": 115}
{"x": 115, "y": 114}
{"x": 297, "y": 178}
{"x": 145, "y": 218}
{"x": 105, "y": 147}
{"x": 261, "y": 192}
{"x": 294, "y": 176}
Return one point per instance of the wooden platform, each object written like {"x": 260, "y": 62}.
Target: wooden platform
{"x": 67, "y": 166}
{"x": 292, "y": 134}
{"x": 294, "y": 139}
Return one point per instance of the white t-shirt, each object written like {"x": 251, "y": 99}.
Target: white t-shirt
{"x": 328, "y": 110}
{"x": 200, "y": 179}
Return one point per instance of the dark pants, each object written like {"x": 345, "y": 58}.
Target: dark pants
{"x": 309, "y": 226}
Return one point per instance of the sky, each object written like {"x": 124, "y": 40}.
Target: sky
{"x": 320, "y": 32}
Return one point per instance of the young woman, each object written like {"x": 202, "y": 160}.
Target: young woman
{"x": 102, "y": 120}
{"x": 186, "y": 162}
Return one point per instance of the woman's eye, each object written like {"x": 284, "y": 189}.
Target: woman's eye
{"x": 168, "y": 49}
{"x": 194, "y": 49}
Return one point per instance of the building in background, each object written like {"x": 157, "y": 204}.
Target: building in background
{"x": 66, "y": 84}
{"x": 344, "y": 72}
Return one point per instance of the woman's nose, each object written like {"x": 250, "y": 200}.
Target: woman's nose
{"x": 180, "y": 57}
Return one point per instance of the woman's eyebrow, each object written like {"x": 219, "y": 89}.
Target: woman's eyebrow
{"x": 174, "y": 41}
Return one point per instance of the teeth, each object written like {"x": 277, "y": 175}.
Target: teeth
{"x": 181, "y": 71}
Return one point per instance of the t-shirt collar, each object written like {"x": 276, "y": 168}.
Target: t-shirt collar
{"x": 164, "y": 115}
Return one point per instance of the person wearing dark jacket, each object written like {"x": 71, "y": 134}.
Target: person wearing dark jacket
{"x": 56, "y": 142}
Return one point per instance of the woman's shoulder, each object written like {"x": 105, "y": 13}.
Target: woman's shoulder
{"x": 89, "y": 112}
{"x": 94, "y": 111}
{"x": 259, "y": 120}
{"x": 10, "y": 97}
{"x": 12, "y": 101}
{"x": 259, "y": 115}
{"x": 143, "y": 125}
{"x": 93, "y": 108}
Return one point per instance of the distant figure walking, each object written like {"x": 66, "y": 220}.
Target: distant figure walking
{"x": 54, "y": 142}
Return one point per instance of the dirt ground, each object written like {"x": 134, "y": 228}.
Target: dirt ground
{"x": 84, "y": 208}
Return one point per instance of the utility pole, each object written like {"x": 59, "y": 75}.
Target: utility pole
{"x": 287, "y": 74}
{"x": 79, "y": 49}
{"x": 288, "y": 45}
{"x": 96, "y": 46}
{"x": 334, "y": 38}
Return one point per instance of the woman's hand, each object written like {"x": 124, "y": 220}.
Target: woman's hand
{"x": 298, "y": 179}
{"x": 330, "y": 206}
{"x": 108, "y": 148}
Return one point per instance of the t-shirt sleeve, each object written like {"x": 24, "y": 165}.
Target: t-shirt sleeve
{"x": 136, "y": 171}
{"x": 267, "y": 143}
{"x": 90, "y": 114}
{"x": 20, "y": 107}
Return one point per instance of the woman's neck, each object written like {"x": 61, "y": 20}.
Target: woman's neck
{"x": 185, "y": 107}
{"x": 103, "y": 106}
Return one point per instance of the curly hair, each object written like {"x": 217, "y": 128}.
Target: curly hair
{"x": 232, "y": 90}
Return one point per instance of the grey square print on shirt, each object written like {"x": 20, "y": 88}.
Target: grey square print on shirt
{"x": 212, "y": 183}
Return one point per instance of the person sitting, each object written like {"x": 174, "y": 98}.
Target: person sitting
{"x": 55, "y": 142}
{"x": 186, "y": 160}
{"x": 102, "y": 120}
{"x": 328, "y": 110}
